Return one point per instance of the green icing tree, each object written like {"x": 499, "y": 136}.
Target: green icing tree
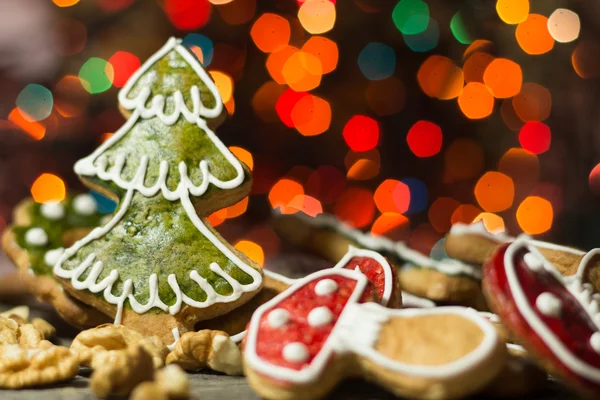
{"x": 167, "y": 169}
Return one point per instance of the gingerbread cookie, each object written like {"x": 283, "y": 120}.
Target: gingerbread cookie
{"x": 158, "y": 266}
{"x": 555, "y": 318}
{"x": 35, "y": 242}
{"x": 448, "y": 281}
{"x": 326, "y": 327}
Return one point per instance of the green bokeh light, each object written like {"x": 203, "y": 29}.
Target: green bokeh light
{"x": 35, "y": 102}
{"x": 411, "y": 16}
{"x": 96, "y": 75}
{"x": 459, "y": 30}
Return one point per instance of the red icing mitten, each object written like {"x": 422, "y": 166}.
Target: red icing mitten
{"x": 556, "y": 318}
{"x": 326, "y": 326}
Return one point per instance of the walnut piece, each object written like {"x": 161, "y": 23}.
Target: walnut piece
{"x": 148, "y": 391}
{"x": 117, "y": 372}
{"x": 29, "y": 336}
{"x": 207, "y": 349}
{"x": 25, "y": 367}
{"x": 170, "y": 383}
{"x": 9, "y": 329}
{"x": 20, "y": 312}
{"x": 44, "y": 327}
{"x": 92, "y": 342}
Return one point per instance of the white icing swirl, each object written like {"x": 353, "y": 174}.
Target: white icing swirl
{"x": 548, "y": 304}
{"x": 85, "y": 204}
{"x": 36, "y": 237}
{"x": 326, "y": 287}
{"x": 278, "y": 318}
{"x": 320, "y": 316}
{"x": 52, "y": 210}
{"x": 595, "y": 342}
{"x": 295, "y": 352}
{"x": 533, "y": 262}
{"x": 52, "y": 256}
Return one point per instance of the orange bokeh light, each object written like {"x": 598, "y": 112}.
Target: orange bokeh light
{"x": 465, "y": 213}
{"x": 70, "y": 98}
{"x": 440, "y": 213}
{"x": 283, "y": 192}
{"x": 495, "y": 191}
{"x": 509, "y": 115}
{"x": 522, "y": 166}
{"x": 475, "y": 66}
{"x": 586, "y": 59}
{"x": 252, "y": 250}
{"x": 463, "y": 160}
{"x": 307, "y": 204}
{"x": 503, "y": 77}
{"x": 493, "y": 223}
{"x": 479, "y": 45}
{"x": 325, "y": 50}
{"x": 392, "y": 196}
{"x": 264, "y": 100}
{"x": 244, "y": 155}
{"x": 439, "y": 77}
{"x": 512, "y": 11}
{"x": 388, "y": 222}
{"x": 224, "y": 85}
{"x": 317, "y": 16}
{"x": 48, "y": 187}
{"x": 476, "y": 101}
{"x": 34, "y": 129}
{"x": 270, "y": 32}
{"x": 386, "y": 96}
{"x": 533, "y": 36}
{"x": 302, "y": 71}
{"x": 277, "y": 60}
{"x": 237, "y": 209}
{"x": 535, "y": 215}
{"x": 311, "y": 115}
{"x": 533, "y": 103}
{"x": 355, "y": 207}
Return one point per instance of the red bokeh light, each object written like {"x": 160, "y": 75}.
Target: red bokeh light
{"x": 356, "y": 207}
{"x": 285, "y": 104}
{"x": 361, "y": 133}
{"x": 535, "y": 137}
{"x": 124, "y": 65}
{"x": 424, "y": 139}
{"x": 188, "y": 15}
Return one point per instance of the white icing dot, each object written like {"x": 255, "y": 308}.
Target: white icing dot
{"x": 533, "y": 262}
{"x": 325, "y": 287}
{"x": 36, "y": 237}
{"x": 52, "y": 210}
{"x": 278, "y": 318}
{"x": 548, "y": 304}
{"x": 84, "y": 204}
{"x": 320, "y": 316}
{"x": 51, "y": 257}
{"x": 295, "y": 352}
{"x": 595, "y": 342}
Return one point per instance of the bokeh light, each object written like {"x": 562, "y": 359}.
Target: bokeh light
{"x": 377, "y": 61}
{"x": 317, "y": 16}
{"x": 306, "y": 204}
{"x": 551, "y": 192}
{"x": 387, "y": 96}
{"x": 475, "y": 66}
{"x": 237, "y": 209}
{"x": 252, "y": 250}
{"x": 392, "y": 196}
{"x": 419, "y": 195}
{"x": 465, "y": 213}
{"x": 439, "y": 77}
{"x": 35, "y": 102}
{"x": 424, "y": 139}
{"x": 34, "y": 129}
{"x": 503, "y": 77}
{"x": 285, "y": 104}
{"x": 509, "y": 116}
{"x": 270, "y": 32}
{"x": 71, "y": 98}
{"x": 463, "y": 160}
{"x": 244, "y": 155}
{"x": 411, "y": 16}
{"x": 302, "y": 71}
{"x": 493, "y": 223}
{"x": 362, "y": 166}
{"x": 459, "y": 30}
{"x": 533, "y": 103}
{"x": 201, "y": 46}
{"x": 283, "y": 192}
{"x": 426, "y": 40}
{"x": 48, "y": 187}
{"x": 311, "y": 115}
{"x": 355, "y": 207}
{"x": 389, "y": 222}
{"x": 476, "y": 101}
{"x": 96, "y": 75}
{"x": 594, "y": 180}
{"x": 224, "y": 85}
{"x": 123, "y": 65}
{"x": 495, "y": 191}
{"x": 535, "y": 137}
{"x": 586, "y": 59}
{"x": 187, "y": 15}
{"x": 564, "y": 25}
{"x": 440, "y": 213}
{"x": 65, "y": 3}
{"x": 277, "y": 60}
{"x": 521, "y": 165}
{"x": 325, "y": 50}
{"x": 361, "y": 133}
{"x": 479, "y": 45}
{"x": 535, "y": 215}
{"x": 512, "y": 11}
{"x": 533, "y": 36}
{"x": 264, "y": 100}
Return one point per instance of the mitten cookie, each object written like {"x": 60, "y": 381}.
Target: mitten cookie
{"x": 326, "y": 327}
{"x": 158, "y": 267}
{"x": 35, "y": 242}
{"x": 555, "y": 318}
{"x": 448, "y": 281}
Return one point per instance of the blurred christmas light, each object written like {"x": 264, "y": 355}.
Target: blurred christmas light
{"x": 503, "y": 77}
{"x": 123, "y": 64}
{"x": 535, "y": 215}
{"x": 96, "y": 75}
{"x": 533, "y": 103}
{"x": 244, "y": 155}
{"x": 252, "y": 250}
{"x": 388, "y": 222}
{"x": 283, "y": 192}
{"x": 418, "y": 195}
{"x": 317, "y": 16}
{"x": 32, "y": 128}
{"x": 326, "y": 183}
{"x": 439, "y": 77}
{"x": 426, "y": 40}
{"x": 264, "y": 100}
{"x": 270, "y": 32}
{"x": 533, "y": 36}
{"x": 230, "y": 106}
{"x": 220, "y": 2}
{"x": 237, "y": 209}
{"x": 377, "y": 61}
{"x": 509, "y": 116}
{"x": 512, "y": 11}
{"x": 475, "y": 66}
{"x": 476, "y": 101}
{"x": 69, "y": 36}
{"x": 465, "y": 213}
{"x": 392, "y": 196}
{"x": 325, "y": 50}
{"x": 411, "y": 16}
{"x": 463, "y": 160}
{"x": 594, "y": 180}
{"x": 440, "y": 213}
{"x": 564, "y": 25}
{"x": 35, "y": 102}
{"x": 302, "y": 71}
{"x": 201, "y": 46}
{"x": 550, "y": 192}
{"x": 355, "y": 207}
{"x": 459, "y": 30}
{"x": 424, "y": 139}
{"x": 277, "y": 60}
{"x": 479, "y": 45}
{"x": 285, "y": 104}
{"x": 48, "y": 187}
{"x": 311, "y": 115}
{"x": 362, "y": 166}
{"x": 237, "y": 12}
{"x": 306, "y": 204}
{"x": 361, "y": 133}
{"x": 535, "y": 137}
{"x": 65, "y": 3}
{"x": 521, "y": 165}
{"x": 386, "y": 97}
{"x": 224, "y": 84}
{"x": 187, "y": 15}
{"x": 104, "y": 205}
{"x": 71, "y": 97}
{"x": 493, "y": 223}
{"x": 586, "y": 59}
{"x": 494, "y": 191}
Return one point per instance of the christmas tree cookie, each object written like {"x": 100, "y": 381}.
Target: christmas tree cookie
{"x": 37, "y": 240}
{"x": 157, "y": 266}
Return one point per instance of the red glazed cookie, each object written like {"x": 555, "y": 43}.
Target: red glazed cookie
{"x": 556, "y": 318}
